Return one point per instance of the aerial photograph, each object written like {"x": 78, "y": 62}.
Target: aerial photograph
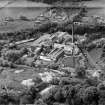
{"x": 52, "y": 52}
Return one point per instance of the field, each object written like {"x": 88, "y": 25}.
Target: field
{"x": 16, "y": 26}
{"x": 95, "y": 54}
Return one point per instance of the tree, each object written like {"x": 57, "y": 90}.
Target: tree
{"x": 81, "y": 72}
{"x": 49, "y": 98}
{"x": 70, "y": 81}
{"x": 91, "y": 95}
{"x": 24, "y": 18}
{"x": 6, "y": 63}
{"x": 103, "y": 51}
{"x": 13, "y": 97}
{"x": 13, "y": 55}
{"x": 40, "y": 102}
{"x": 71, "y": 95}
{"x": 101, "y": 89}
{"x": 101, "y": 101}
{"x": 55, "y": 81}
{"x": 92, "y": 81}
{"x": 28, "y": 97}
{"x": 59, "y": 97}
{"x": 54, "y": 66}
{"x": 79, "y": 96}
{"x": 3, "y": 98}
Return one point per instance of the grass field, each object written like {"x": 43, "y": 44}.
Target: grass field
{"x": 95, "y": 54}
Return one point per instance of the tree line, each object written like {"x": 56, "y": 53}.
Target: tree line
{"x": 67, "y": 91}
{"x": 53, "y": 1}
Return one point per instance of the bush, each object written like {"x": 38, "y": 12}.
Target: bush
{"x": 81, "y": 72}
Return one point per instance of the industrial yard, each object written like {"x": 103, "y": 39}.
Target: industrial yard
{"x": 55, "y": 58}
